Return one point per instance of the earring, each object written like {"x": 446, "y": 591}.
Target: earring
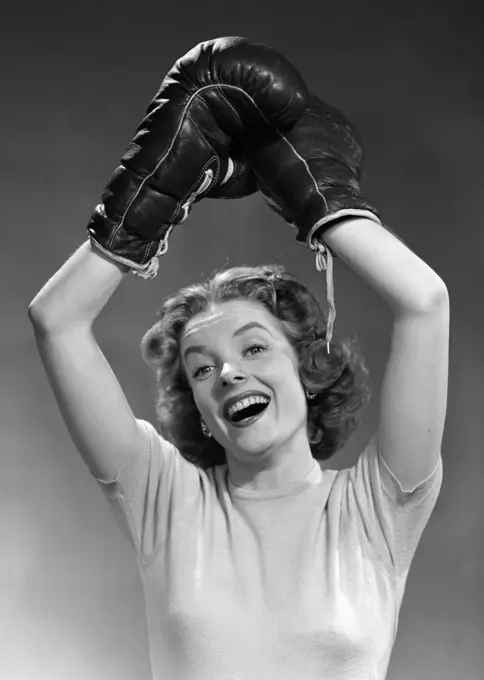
{"x": 205, "y": 429}
{"x": 309, "y": 395}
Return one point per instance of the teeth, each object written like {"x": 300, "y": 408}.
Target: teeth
{"x": 243, "y": 403}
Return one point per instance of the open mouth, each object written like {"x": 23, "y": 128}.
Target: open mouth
{"x": 248, "y": 414}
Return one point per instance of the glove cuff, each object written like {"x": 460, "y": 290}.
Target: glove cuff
{"x": 145, "y": 271}
{"x": 132, "y": 241}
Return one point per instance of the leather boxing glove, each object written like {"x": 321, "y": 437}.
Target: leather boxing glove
{"x": 190, "y": 145}
{"x": 310, "y": 175}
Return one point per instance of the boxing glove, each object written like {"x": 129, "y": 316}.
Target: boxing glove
{"x": 190, "y": 145}
{"x": 311, "y": 174}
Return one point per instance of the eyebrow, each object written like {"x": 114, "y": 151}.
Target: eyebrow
{"x": 239, "y": 331}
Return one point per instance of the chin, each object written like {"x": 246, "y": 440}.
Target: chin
{"x": 256, "y": 446}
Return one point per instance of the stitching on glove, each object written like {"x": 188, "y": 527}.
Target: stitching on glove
{"x": 190, "y": 195}
{"x": 180, "y": 122}
{"x": 232, "y": 87}
{"x": 153, "y": 266}
{"x": 200, "y": 132}
{"x": 182, "y": 117}
{"x": 229, "y": 104}
{"x": 305, "y": 164}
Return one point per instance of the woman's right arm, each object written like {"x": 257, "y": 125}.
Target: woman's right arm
{"x": 92, "y": 403}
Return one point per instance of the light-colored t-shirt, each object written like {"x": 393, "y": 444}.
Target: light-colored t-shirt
{"x": 302, "y": 583}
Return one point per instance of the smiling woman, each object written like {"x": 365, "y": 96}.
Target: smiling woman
{"x": 256, "y": 561}
{"x": 249, "y": 320}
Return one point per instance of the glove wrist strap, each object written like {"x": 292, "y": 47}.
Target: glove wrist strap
{"x": 324, "y": 262}
{"x": 324, "y": 258}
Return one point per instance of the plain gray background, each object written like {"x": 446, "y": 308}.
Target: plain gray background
{"x": 77, "y": 78}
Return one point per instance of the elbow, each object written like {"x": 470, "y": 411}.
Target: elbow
{"x": 37, "y": 319}
{"x": 39, "y": 316}
{"x": 439, "y": 296}
{"x": 33, "y": 312}
{"x": 36, "y": 309}
{"x": 433, "y": 296}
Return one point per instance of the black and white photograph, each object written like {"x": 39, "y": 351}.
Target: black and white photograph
{"x": 242, "y": 335}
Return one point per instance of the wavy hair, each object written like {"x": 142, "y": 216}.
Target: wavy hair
{"x": 339, "y": 379}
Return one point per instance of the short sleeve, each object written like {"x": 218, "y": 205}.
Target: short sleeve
{"x": 154, "y": 479}
{"x": 391, "y": 519}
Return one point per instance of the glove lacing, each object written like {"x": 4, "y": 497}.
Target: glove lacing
{"x": 150, "y": 271}
{"x": 323, "y": 264}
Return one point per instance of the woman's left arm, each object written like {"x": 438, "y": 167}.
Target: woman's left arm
{"x": 414, "y": 389}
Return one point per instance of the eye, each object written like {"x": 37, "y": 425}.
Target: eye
{"x": 200, "y": 372}
{"x": 255, "y": 349}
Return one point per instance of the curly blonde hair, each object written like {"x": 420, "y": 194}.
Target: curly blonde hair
{"x": 339, "y": 379}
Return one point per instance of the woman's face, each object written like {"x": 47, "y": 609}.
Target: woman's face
{"x": 239, "y": 347}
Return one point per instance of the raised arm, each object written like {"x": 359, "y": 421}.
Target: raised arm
{"x": 183, "y": 151}
{"x": 91, "y": 401}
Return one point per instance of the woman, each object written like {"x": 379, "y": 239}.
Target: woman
{"x": 256, "y": 563}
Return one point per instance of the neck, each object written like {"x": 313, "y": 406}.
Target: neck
{"x": 272, "y": 469}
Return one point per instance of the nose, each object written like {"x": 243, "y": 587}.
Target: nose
{"x": 231, "y": 374}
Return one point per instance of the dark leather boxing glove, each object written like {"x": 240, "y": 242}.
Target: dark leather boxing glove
{"x": 310, "y": 175}
{"x": 190, "y": 145}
